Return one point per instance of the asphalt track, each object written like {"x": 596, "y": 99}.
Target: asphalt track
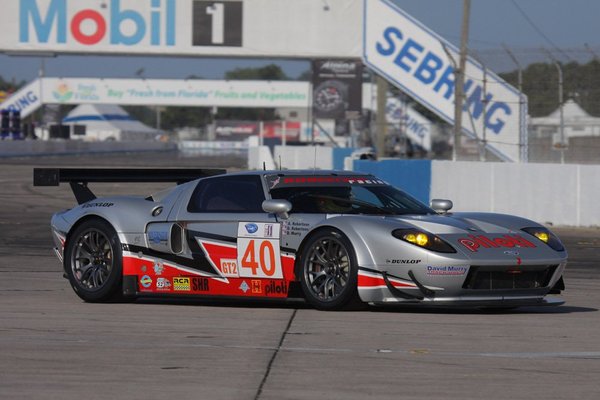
{"x": 54, "y": 346}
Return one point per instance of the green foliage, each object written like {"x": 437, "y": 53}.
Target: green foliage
{"x": 540, "y": 84}
{"x": 271, "y": 72}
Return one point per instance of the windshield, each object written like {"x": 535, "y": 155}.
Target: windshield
{"x": 355, "y": 199}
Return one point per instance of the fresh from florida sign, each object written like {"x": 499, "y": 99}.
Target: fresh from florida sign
{"x": 422, "y": 64}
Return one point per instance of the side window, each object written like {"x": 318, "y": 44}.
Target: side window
{"x": 242, "y": 194}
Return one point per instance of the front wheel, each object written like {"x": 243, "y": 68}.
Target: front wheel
{"x": 93, "y": 261}
{"x": 329, "y": 271}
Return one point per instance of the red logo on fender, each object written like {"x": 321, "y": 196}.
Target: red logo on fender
{"x": 475, "y": 242}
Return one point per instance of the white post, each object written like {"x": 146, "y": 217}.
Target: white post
{"x": 260, "y": 133}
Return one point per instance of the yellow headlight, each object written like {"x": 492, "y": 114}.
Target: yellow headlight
{"x": 543, "y": 236}
{"x": 419, "y": 239}
{"x": 422, "y": 239}
{"x": 411, "y": 237}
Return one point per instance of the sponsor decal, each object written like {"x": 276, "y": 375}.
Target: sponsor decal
{"x": 332, "y": 180}
{"x": 62, "y": 93}
{"x": 402, "y": 261}
{"x": 229, "y": 268}
{"x": 268, "y": 231}
{"x": 119, "y": 25}
{"x": 158, "y": 268}
{"x": 144, "y": 268}
{"x": 276, "y": 287}
{"x": 90, "y": 205}
{"x": 275, "y": 182}
{"x": 244, "y": 287}
{"x": 251, "y": 228}
{"x": 473, "y": 243}
{"x": 146, "y": 281}
{"x": 181, "y": 284}
{"x": 447, "y": 270}
{"x": 199, "y": 284}
{"x": 163, "y": 284}
{"x": 158, "y": 237}
{"x": 256, "y": 286}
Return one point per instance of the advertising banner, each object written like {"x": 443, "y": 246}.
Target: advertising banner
{"x": 409, "y": 121}
{"x": 422, "y": 64}
{"x": 248, "y": 28}
{"x": 172, "y": 92}
{"x": 240, "y": 130}
{"x": 337, "y": 89}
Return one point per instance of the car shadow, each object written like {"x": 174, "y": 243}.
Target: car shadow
{"x": 300, "y": 304}
{"x": 484, "y": 311}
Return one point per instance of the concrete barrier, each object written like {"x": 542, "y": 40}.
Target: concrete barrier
{"x": 548, "y": 193}
{"x": 32, "y": 148}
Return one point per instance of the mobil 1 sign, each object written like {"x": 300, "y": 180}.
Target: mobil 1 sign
{"x": 421, "y": 63}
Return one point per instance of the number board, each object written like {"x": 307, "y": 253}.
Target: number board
{"x": 258, "y": 254}
{"x": 217, "y": 23}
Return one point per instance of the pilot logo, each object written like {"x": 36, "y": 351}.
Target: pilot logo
{"x": 181, "y": 284}
{"x": 217, "y": 23}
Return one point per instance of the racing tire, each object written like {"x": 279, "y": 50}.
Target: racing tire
{"x": 329, "y": 271}
{"x": 94, "y": 262}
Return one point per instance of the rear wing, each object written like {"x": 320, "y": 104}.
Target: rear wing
{"x": 78, "y": 178}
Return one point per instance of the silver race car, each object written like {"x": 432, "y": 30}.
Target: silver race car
{"x": 336, "y": 238}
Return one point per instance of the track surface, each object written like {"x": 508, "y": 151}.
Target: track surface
{"x": 53, "y": 346}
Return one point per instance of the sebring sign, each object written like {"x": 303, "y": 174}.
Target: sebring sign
{"x": 422, "y": 64}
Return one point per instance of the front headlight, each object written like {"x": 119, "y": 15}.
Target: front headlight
{"x": 423, "y": 239}
{"x": 545, "y": 236}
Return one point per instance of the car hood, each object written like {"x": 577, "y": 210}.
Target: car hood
{"x": 485, "y": 236}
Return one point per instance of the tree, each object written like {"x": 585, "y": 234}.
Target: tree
{"x": 271, "y": 72}
{"x": 540, "y": 84}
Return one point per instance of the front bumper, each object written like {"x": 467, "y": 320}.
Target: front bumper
{"x": 477, "y": 286}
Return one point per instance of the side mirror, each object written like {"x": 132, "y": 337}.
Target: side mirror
{"x": 279, "y": 207}
{"x": 441, "y": 206}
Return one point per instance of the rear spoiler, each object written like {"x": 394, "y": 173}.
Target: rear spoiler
{"x": 78, "y": 178}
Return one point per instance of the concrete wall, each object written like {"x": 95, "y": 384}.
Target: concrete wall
{"x": 412, "y": 176}
{"x": 548, "y": 193}
{"x": 29, "y": 148}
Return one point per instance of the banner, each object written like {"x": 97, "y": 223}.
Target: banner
{"x": 422, "y": 64}
{"x": 337, "y": 89}
{"x": 248, "y": 28}
{"x": 240, "y": 130}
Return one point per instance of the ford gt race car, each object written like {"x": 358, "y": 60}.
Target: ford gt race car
{"x": 336, "y": 238}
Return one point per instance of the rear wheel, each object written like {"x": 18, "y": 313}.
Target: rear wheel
{"x": 93, "y": 261}
{"x": 329, "y": 271}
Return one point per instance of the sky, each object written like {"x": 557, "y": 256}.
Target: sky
{"x": 568, "y": 28}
